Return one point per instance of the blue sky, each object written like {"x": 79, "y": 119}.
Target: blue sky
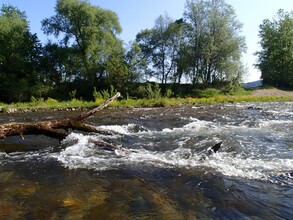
{"x": 135, "y": 15}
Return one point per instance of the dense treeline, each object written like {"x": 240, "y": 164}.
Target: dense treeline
{"x": 275, "y": 60}
{"x": 203, "y": 48}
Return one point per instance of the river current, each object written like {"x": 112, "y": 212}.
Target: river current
{"x": 163, "y": 172}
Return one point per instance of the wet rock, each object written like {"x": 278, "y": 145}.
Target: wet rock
{"x": 136, "y": 128}
{"x": 254, "y": 108}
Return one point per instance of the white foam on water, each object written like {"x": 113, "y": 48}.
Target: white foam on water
{"x": 193, "y": 126}
{"x": 124, "y": 129}
{"x": 246, "y": 167}
{"x": 40, "y": 155}
{"x": 117, "y": 128}
{"x": 84, "y": 155}
{"x": 81, "y": 153}
{"x": 266, "y": 123}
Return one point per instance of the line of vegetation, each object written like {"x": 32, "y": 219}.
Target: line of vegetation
{"x": 151, "y": 96}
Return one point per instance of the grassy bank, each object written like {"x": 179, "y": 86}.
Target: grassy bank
{"x": 74, "y": 104}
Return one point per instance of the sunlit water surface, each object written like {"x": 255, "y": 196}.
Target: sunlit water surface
{"x": 162, "y": 174}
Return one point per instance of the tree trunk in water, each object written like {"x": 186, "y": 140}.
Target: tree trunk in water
{"x": 55, "y": 128}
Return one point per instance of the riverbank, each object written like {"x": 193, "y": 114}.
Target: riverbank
{"x": 272, "y": 92}
{"x": 259, "y": 95}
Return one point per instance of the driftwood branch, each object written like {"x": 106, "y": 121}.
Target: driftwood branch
{"x": 55, "y": 128}
{"x": 93, "y": 111}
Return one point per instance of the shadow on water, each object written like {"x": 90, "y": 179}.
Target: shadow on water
{"x": 163, "y": 178}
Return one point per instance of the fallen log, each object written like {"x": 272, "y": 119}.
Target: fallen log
{"x": 55, "y": 128}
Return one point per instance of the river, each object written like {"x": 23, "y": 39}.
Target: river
{"x": 162, "y": 175}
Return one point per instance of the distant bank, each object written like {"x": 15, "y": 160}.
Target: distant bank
{"x": 254, "y": 84}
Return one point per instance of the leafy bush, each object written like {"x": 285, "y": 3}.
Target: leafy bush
{"x": 150, "y": 91}
{"x": 51, "y": 100}
{"x": 168, "y": 93}
{"x": 36, "y": 100}
{"x": 236, "y": 90}
{"x": 104, "y": 94}
{"x": 72, "y": 94}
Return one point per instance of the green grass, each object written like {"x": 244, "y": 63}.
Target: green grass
{"x": 166, "y": 102}
{"x": 40, "y": 104}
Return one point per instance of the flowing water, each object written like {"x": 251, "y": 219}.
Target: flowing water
{"x": 162, "y": 175}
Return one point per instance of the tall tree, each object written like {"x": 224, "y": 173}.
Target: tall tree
{"x": 215, "y": 44}
{"x": 19, "y": 56}
{"x": 159, "y": 47}
{"x": 275, "y": 60}
{"x": 137, "y": 62}
{"x": 178, "y": 43}
{"x": 91, "y": 30}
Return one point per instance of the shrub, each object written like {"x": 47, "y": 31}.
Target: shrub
{"x": 51, "y": 100}
{"x": 104, "y": 94}
{"x": 168, "y": 93}
{"x": 72, "y": 94}
{"x": 150, "y": 91}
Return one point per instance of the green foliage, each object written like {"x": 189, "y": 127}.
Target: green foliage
{"x": 136, "y": 62}
{"x": 72, "y": 94}
{"x": 168, "y": 93}
{"x": 19, "y": 55}
{"x": 159, "y": 48}
{"x": 207, "y": 93}
{"x": 60, "y": 64}
{"x": 236, "y": 90}
{"x": 214, "y": 43}
{"x": 117, "y": 70}
{"x": 275, "y": 60}
{"x": 205, "y": 45}
{"x": 89, "y": 29}
{"x": 104, "y": 94}
{"x": 153, "y": 91}
{"x": 51, "y": 100}
{"x": 39, "y": 104}
{"x": 150, "y": 91}
{"x": 96, "y": 94}
{"x": 40, "y": 89}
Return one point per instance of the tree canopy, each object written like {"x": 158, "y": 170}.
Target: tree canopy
{"x": 214, "y": 41}
{"x": 91, "y": 32}
{"x": 275, "y": 60}
{"x": 205, "y": 46}
{"x": 19, "y": 55}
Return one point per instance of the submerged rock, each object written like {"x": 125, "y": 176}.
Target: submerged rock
{"x": 254, "y": 108}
